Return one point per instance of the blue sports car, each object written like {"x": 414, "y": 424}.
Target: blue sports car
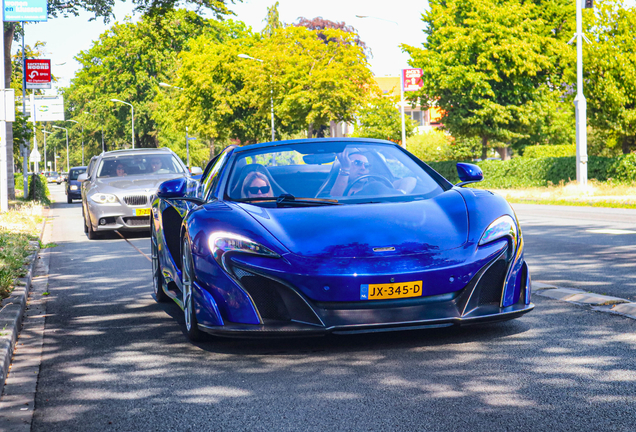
{"x": 345, "y": 236}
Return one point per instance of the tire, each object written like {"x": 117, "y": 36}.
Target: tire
{"x": 84, "y": 216}
{"x": 157, "y": 276}
{"x": 69, "y": 200}
{"x": 187, "y": 277}
{"x": 92, "y": 235}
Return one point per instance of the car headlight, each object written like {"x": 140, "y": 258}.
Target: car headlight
{"x": 101, "y": 198}
{"x": 504, "y": 226}
{"x": 74, "y": 187}
{"x": 222, "y": 242}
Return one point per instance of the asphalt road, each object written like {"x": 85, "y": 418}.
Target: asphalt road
{"x": 114, "y": 360}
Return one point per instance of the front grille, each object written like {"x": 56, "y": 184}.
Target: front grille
{"x": 136, "y": 200}
{"x": 137, "y": 220}
{"x": 491, "y": 283}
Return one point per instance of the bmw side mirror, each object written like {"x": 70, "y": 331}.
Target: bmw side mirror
{"x": 175, "y": 188}
{"x": 82, "y": 178}
{"x": 196, "y": 171}
{"x": 468, "y": 173}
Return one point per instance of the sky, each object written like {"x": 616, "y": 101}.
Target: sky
{"x": 384, "y": 29}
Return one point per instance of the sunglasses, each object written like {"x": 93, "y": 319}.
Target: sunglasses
{"x": 359, "y": 163}
{"x": 120, "y": 168}
{"x": 155, "y": 162}
{"x": 254, "y": 190}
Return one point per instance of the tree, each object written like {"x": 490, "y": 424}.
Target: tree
{"x": 272, "y": 20}
{"x": 381, "y": 119}
{"x": 319, "y": 24}
{"x": 127, "y": 63}
{"x": 231, "y": 97}
{"x": 610, "y": 71}
{"x": 489, "y": 63}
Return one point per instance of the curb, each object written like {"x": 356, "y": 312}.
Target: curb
{"x": 598, "y": 302}
{"x": 12, "y": 312}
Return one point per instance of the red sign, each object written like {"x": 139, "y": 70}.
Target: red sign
{"x": 38, "y": 74}
{"x": 412, "y": 79}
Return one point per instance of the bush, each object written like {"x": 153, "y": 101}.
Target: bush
{"x": 543, "y": 151}
{"x": 430, "y": 146}
{"x": 533, "y": 172}
{"x": 39, "y": 189}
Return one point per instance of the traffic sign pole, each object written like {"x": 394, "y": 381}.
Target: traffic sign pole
{"x": 4, "y": 185}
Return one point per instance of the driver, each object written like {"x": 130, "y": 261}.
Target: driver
{"x": 355, "y": 165}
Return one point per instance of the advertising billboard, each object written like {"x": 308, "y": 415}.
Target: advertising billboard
{"x": 25, "y": 10}
{"x": 412, "y": 79}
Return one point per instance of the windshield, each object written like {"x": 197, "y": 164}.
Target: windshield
{"x": 76, "y": 173}
{"x": 349, "y": 173}
{"x": 147, "y": 164}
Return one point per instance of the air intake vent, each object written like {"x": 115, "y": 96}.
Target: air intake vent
{"x": 136, "y": 200}
{"x": 491, "y": 284}
{"x": 137, "y": 221}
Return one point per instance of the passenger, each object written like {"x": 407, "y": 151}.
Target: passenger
{"x": 355, "y": 165}
{"x": 120, "y": 170}
{"x": 256, "y": 185}
{"x": 155, "y": 164}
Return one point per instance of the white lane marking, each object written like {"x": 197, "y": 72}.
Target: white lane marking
{"x": 136, "y": 248}
{"x": 610, "y": 231}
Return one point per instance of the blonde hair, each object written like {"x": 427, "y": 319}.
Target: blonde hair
{"x": 250, "y": 178}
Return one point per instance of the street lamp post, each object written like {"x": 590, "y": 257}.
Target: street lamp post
{"x": 271, "y": 91}
{"x": 87, "y": 113}
{"x": 68, "y": 168}
{"x": 132, "y": 110}
{"x": 187, "y": 139}
{"x": 580, "y": 103}
{"x": 44, "y": 132}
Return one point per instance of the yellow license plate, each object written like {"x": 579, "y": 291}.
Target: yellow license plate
{"x": 142, "y": 212}
{"x": 391, "y": 290}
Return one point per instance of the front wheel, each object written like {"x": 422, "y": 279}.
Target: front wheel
{"x": 92, "y": 234}
{"x": 69, "y": 200}
{"x": 187, "y": 277}
{"x": 157, "y": 276}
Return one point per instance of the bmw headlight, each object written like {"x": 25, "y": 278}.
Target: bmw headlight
{"x": 101, "y": 198}
{"x": 74, "y": 187}
{"x": 222, "y": 242}
{"x": 504, "y": 226}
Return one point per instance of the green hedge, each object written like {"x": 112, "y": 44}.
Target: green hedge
{"x": 39, "y": 189}
{"x": 529, "y": 172}
{"x": 544, "y": 151}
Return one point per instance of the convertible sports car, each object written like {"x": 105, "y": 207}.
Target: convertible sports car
{"x": 344, "y": 235}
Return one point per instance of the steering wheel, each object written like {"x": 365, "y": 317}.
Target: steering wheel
{"x": 368, "y": 176}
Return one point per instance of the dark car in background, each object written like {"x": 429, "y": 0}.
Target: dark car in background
{"x": 74, "y": 187}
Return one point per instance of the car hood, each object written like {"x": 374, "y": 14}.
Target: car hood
{"x": 133, "y": 183}
{"x": 369, "y": 230}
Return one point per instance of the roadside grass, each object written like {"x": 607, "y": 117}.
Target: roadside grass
{"x": 18, "y": 226}
{"x": 596, "y": 194}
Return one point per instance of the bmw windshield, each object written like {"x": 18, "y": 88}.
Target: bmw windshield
{"x": 329, "y": 173}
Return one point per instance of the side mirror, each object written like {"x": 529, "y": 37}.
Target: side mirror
{"x": 469, "y": 173}
{"x": 82, "y": 178}
{"x": 196, "y": 171}
{"x": 175, "y": 188}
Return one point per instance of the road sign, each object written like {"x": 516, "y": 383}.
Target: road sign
{"x": 412, "y": 79}
{"x": 47, "y": 108}
{"x": 25, "y": 10}
{"x": 38, "y": 74}
{"x": 35, "y": 156}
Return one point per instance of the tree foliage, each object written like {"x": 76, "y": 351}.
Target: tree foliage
{"x": 231, "y": 98}
{"x": 489, "y": 63}
{"x": 381, "y": 118}
{"x": 610, "y": 71}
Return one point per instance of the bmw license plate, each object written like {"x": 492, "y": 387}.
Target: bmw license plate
{"x": 142, "y": 212}
{"x": 391, "y": 290}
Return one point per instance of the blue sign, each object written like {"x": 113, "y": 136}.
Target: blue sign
{"x": 25, "y": 10}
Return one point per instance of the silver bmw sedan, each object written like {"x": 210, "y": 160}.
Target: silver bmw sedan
{"x": 117, "y": 189}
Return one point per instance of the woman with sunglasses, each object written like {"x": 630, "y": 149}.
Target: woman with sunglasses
{"x": 256, "y": 185}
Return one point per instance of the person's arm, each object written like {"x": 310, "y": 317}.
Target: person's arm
{"x": 405, "y": 185}
{"x": 341, "y": 183}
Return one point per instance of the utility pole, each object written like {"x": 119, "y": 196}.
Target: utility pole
{"x": 25, "y": 145}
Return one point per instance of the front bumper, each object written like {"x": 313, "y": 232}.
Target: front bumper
{"x": 284, "y": 311}
{"x": 110, "y": 217}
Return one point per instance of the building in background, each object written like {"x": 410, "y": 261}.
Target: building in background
{"x": 426, "y": 119}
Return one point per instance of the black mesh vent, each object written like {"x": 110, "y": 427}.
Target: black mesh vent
{"x": 491, "y": 284}
{"x": 137, "y": 220}
{"x": 265, "y": 294}
{"x": 136, "y": 200}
